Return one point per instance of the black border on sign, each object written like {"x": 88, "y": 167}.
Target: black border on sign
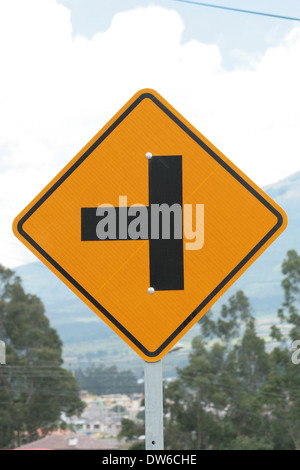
{"x": 86, "y": 293}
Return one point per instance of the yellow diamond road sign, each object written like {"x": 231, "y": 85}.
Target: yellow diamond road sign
{"x": 149, "y": 224}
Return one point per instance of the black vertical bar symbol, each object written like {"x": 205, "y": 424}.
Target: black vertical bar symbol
{"x": 166, "y": 254}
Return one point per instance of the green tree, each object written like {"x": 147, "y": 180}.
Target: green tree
{"x": 104, "y": 380}
{"x": 277, "y": 395}
{"x": 131, "y": 431}
{"x": 282, "y": 392}
{"x": 34, "y": 387}
{"x": 217, "y": 403}
{"x": 289, "y": 312}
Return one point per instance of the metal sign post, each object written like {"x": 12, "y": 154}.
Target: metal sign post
{"x": 153, "y": 405}
{"x": 2, "y": 352}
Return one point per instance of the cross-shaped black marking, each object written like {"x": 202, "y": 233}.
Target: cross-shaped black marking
{"x": 165, "y": 255}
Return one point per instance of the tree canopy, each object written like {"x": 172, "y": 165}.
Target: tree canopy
{"x": 34, "y": 387}
{"x": 102, "y": 380}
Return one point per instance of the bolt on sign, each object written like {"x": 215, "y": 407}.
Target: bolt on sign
{"x": 149, "y": 224}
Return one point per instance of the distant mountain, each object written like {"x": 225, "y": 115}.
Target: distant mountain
{"x": 74, "y": 321}
{"x": 262, "y": 281}
{"x": 85, "y": 335}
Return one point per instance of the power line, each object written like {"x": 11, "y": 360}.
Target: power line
{"x": 233, "y": 389}
{"x": 251, "y": 12}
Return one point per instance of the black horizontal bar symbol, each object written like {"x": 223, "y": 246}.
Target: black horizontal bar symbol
{"x": 160, "y": 223}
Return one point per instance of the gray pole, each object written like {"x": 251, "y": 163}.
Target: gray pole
{"x": 153, "y": 405}
{"x": 2, "y": 352}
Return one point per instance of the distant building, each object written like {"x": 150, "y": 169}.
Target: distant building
{"x": 103, "y": 414}
{"x": 110, "y": 426}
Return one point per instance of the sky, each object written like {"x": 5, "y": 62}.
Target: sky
{"x": 67, "y": 66}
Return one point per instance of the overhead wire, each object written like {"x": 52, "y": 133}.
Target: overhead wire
{"x": 238, "y": 387}
{"x": 239, "y": 10}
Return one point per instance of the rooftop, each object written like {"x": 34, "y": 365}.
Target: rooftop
{"x": 67, "y": 441}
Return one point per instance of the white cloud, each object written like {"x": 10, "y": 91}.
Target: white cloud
{"x": 57, "y": 91}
